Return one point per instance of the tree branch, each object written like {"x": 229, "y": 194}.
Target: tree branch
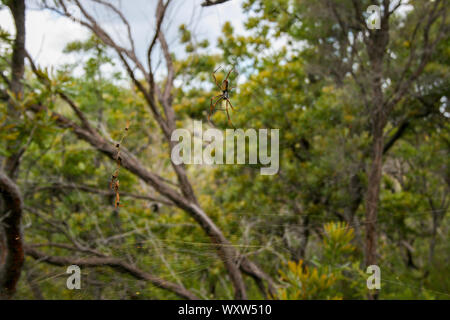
{"x": 427, "y": 51}
{"x": 209, "y": 3}
{"x": 15, "y": 85}
{"x": 11, "y": 247}
{"x": 114, "y": 263}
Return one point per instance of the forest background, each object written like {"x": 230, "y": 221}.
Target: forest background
{"x": 364, "y": 173}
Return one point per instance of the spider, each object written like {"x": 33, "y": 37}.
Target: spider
{"x": 114, "y": 184}
{"x": 225, "y": 95}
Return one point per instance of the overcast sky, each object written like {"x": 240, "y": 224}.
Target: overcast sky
{"x": 48, "y": 33}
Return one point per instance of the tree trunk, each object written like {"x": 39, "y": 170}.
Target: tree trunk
{"x": 17, "y": 8}
{"x": 376, "y": 47}
{"x": 11, "y": 254}
{"x": 372, "y": 196}
{"x": 374, "y": 179}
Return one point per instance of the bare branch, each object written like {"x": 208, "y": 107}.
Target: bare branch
{"x": 427, "y": 50}
{"x": 160, "y": 14}
{"x": 209, "y": 3}
{"x": 122, "y": 17}
{"x": 114, "y": 263}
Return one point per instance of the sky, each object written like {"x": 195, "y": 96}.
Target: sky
{"x": 47, "y": 33}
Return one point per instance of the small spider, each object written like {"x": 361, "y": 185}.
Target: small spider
{"x": 225, "y": 95}
{"x": 114, "y": 184}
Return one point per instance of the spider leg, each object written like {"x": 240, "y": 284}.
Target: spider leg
{"x": 229, "y": 72}
{"x": 230, "y": 104}
{"x": 214, "y": 105}
{"x": 217, "y": 101}
{"x": 229, "y": 119}
{"x": 219, "y": 95}
{"x": 215, "y": 80}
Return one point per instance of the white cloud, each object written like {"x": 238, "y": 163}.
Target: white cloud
{"x": 48, "y": 33}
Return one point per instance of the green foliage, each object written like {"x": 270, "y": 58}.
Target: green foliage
{"x": 335, "y": 276}
{"x": 305, "y": 225}
{"x": 306, "y": 284}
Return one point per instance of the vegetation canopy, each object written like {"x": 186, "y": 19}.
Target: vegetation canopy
{"x": 356, "y": 98}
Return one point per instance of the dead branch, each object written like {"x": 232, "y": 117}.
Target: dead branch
{"x": 114, "y": 263}
{"x": 209, "y": 3}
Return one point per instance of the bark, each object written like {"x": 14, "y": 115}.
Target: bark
{"x": 376, "y": 47}
{"x": 372, "y": 196}
{"x": 17, "y": 8}
{"x": 11, "y": 255}
{"x": 304, "y": 237}
{"x": 209, "y": 3}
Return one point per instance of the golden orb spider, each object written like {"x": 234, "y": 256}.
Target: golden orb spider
{"x": 225, "y": 95}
